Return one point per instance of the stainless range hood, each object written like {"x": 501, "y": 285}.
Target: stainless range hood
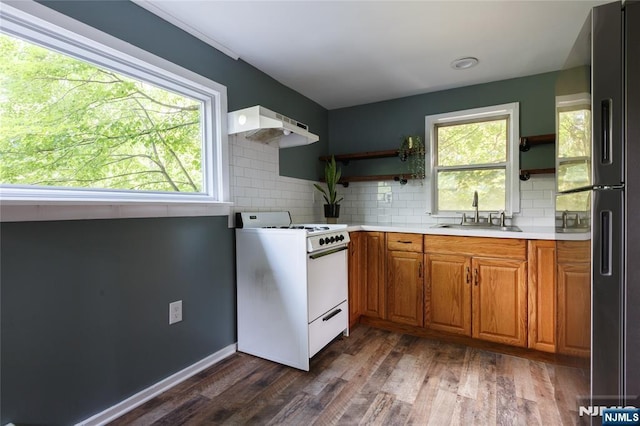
{"x": 262, "y": 125}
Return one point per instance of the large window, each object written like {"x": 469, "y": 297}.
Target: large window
{"x": 473, "y": 150}
{"x": 83, "y": 121}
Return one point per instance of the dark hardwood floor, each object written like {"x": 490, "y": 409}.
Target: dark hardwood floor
{"x": 374, "y": 377}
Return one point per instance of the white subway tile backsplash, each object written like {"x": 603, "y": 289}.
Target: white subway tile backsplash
{"x": 543, "y": 184}
{"x": 242, "y": 161}
{"x": 242, "y": 182}
{"x": 526, "y": 185}
{"x": 532, "y": 212}
{"x": 256, "y": 185}
{"x": 531, "y": 195}
{"x": 542, "y": 203}
{"x": 524, "y": 204}
{"x": 405, "y": 204}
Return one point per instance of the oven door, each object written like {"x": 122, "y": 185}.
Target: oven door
{"x": 327, "y": 280}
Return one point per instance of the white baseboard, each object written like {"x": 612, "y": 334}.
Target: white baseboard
{"x": 143, "y": 396}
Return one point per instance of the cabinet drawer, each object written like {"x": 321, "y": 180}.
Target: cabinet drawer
{"x": 327, "y": 327}
{"x": 404, "y": 242}
{"x": 574, "y": 251}
{"x": 507, "y": 248}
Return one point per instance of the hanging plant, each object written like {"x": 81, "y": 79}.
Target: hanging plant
{"x": 412, "y": 152}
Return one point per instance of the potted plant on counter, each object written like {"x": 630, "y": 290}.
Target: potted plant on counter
{"x": 331, "y": 178}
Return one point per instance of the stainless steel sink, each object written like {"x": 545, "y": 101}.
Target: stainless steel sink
{"x": 483, "y": 226}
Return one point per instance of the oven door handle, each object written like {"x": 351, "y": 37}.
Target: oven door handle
{"x": 327, "y": 253}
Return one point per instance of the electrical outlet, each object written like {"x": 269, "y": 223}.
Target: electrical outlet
{"x": 175, "y": 312}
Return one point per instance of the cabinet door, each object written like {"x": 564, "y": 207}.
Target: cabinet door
{"x": 372, "y": 275}
{"x": 355, "y": 266}
{"x": 541, "y": 284}
{"x": 574, "y": 308}
{"x": 448, "y": 293}
{"x": 405, "y": 283}
{"x": 500, "y": 300}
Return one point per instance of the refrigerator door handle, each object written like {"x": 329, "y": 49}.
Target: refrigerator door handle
{"x": 605, "y": 127}
{"x": 605, "y": 242}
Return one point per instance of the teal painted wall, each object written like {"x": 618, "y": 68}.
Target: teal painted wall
{"x": 84, "y": 304}
{"x": 85, "y": 308}
{"x": 382, "y": 125}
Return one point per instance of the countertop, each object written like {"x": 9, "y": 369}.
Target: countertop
{"x": 528, "y": 232}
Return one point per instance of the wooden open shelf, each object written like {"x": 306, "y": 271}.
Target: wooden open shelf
{"x": 526, "y": 142}
{"x": 345, "y": 158}
{"x": 344, "y": 181}
{"x": 368, "y": 155}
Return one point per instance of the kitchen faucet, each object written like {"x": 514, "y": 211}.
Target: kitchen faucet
{"x": 476, "y": 217}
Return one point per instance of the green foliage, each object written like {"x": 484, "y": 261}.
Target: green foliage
{"x": 574, "y": 158}
{"x": 68, "y": 123}
{"x": 574, "y": 133}
{"x": 483, "y": 142}
{"x": 464, "y": 147}
{"x": 455, "y": 189}
{"x": 578, "y": 202}
{"x": 331, "y": 176}
{"x": 412, "y": 152}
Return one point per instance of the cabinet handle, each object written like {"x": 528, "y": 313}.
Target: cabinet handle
{"x": 475, "y": 276}
{"x": 468, "y": 275}
{"x": 403, "y": 242}
{"x": 331, "y": 315}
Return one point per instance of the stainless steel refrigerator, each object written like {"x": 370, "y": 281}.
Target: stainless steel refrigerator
{"x": 611, "y": 191}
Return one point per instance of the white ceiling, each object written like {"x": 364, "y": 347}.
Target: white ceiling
{"x": 344, "y": 53}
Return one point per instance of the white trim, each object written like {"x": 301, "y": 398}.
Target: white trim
{"x": 575, "y": 99}
{"x": 143, "y": 396}
{"x": 106, "y": 210}
{"x": 158, "y": 11}
{"x": 513, "y": 159}
{"x": 101, "y": 48}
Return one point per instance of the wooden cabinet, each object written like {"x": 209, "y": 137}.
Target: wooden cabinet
{"x": 574, "y": 298}
{"x": 405, "y": 288}
{"x": 355, "y": 270}
{"x": 541, "y": 280}
{"x": 405, "y": 279}
{"x": 477, "y": 286}
{"x": 448, "y": 293}
{"x": 533, "y": 294}
{"x": 499, "y": 300}
{"x": 372, "y": 274}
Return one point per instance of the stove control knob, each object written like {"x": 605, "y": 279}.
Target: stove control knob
{"x": 333, "y": 239}
{"x": 321, "y": 241}
{"x": 326, "y": 240}
{"x": 340, "y": 237}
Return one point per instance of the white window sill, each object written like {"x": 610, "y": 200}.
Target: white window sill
{"x": 22, "y": 211}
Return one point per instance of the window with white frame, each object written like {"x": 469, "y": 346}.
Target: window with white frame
{"x": 84, "y": 121}
{"x": 573, "y": 150}
{"x": 474, "y": 150}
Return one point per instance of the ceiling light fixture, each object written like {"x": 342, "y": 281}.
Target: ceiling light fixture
{"x": 464, "y": 63}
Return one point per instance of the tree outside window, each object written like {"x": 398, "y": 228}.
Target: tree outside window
{"x": 65, "y": 122}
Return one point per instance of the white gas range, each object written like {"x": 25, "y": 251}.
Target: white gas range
{"x": 291, "y": 286}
